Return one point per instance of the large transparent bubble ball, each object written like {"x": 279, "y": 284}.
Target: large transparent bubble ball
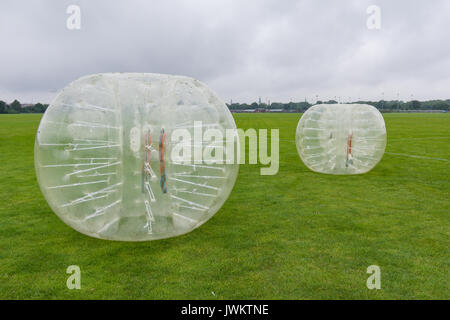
{"x": 103, "y": 156}
{"x": 341, "y": 138}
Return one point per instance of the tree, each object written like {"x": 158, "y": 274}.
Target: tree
{"x": 416, "y": 105}
{"x": 3, "y": 107}
{"x": 38, "y": 108}
{"x": 16, "y": 107}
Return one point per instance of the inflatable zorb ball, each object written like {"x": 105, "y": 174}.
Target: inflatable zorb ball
{"x": 341, "y": 138}
{"x": 104, "y": 155}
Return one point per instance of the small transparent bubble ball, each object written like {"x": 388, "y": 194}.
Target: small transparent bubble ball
{"x": 341, "y": 138}
{"x": 110, "y": 165}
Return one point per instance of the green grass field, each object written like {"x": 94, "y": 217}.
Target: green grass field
{"x": 295, "y": 235}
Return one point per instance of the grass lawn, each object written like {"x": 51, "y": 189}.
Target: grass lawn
{"x": 294, "y": 235}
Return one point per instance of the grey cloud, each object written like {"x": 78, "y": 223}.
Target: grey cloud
{"x": 242, "y": 49}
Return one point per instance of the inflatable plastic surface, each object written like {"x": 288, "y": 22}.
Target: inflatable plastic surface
{"x": 341, "y": 138}
{"x": 108, "y": 159}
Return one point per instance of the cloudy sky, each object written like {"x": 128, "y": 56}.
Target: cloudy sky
{"x": 280, "y": 50}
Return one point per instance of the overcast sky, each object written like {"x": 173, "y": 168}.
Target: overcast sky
{"x": 274, "y": 49}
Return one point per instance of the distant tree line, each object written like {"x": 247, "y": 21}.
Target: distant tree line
{"x": 381, "y": 105}
{"x": 17, "y": 107}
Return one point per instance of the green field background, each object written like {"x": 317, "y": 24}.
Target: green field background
{"x": 294, "y": 235}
